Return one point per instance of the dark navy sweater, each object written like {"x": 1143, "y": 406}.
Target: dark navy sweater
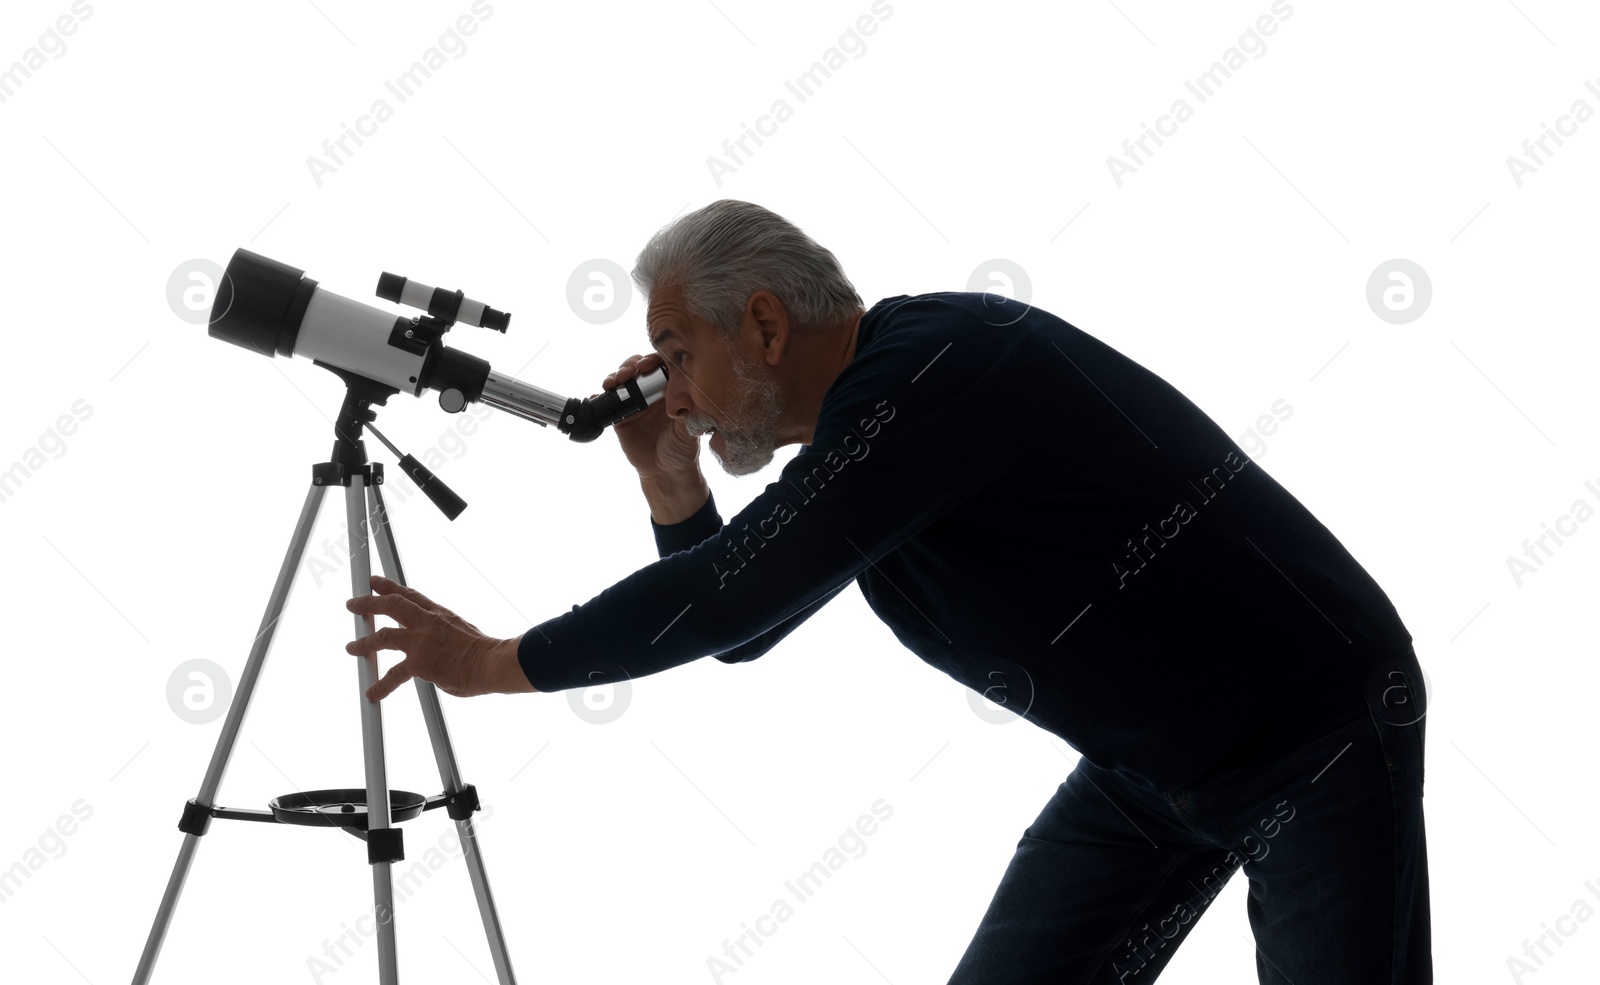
{"x": 1041, "y": 518}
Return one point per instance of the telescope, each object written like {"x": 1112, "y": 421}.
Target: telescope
{"x": 274, "y": 309}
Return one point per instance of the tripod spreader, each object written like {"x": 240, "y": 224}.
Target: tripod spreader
{"x": 340, "y": 808}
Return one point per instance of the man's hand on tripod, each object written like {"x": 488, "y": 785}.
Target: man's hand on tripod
{"x": 439, "y": 646}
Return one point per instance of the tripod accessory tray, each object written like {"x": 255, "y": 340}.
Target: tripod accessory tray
{"x": 340, "y": 808}
{"x": 344, "y": 808}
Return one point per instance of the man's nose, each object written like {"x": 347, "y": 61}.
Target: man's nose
{"x": 676, "y": 398}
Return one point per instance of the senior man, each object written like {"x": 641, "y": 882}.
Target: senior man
{"x": 1055, "y": 526}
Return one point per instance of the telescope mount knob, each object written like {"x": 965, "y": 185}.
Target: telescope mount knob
{"x": 453, "y": 401}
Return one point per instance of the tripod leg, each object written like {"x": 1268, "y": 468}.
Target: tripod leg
{"x": 444, "y": 755}
{"x": 371, "y": 730}
{"x": 230, "y": 727}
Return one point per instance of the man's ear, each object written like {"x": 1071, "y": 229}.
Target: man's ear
{"x": 769, "y": 325}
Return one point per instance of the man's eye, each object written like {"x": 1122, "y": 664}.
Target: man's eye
{"x": 677, "y": 356}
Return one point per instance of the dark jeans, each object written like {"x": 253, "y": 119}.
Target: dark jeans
{"x": 1111, "y": 876}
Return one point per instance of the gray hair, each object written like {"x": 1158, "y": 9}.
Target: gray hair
{"x": 719, "y": 255}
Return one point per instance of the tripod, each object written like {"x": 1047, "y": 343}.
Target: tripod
{"x": 367, "y": 814}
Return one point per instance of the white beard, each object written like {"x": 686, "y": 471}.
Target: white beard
{"x": 750, "y": 434}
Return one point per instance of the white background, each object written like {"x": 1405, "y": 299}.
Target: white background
{"x": 1233, "y": 262}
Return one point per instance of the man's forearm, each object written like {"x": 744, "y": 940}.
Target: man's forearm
{"x": 674, "y": 499}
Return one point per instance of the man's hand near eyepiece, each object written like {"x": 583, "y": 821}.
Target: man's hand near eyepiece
{"x": 661, "y": 450}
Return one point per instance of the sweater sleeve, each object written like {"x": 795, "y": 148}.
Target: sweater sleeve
{"x": 706, "y": 522}
{"x": 906, "y": 433}
{"x": 674, "y": 537}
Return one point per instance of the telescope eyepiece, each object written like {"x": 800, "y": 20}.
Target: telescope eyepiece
{"x": 584, "y": 420}
{"x": 495, "y": 320}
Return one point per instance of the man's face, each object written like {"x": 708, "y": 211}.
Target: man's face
{"x": 716, "y": 387}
